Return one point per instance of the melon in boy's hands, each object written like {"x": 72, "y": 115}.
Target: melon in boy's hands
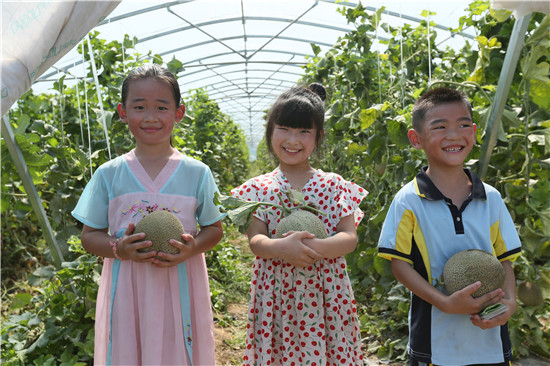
{"x": 472, "y": 265}
{"x": 159, "y": 227}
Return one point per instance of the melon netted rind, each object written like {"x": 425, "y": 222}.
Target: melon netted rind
{"x": 159, "y": 227}
{"x": 472, "y": 265}
{"x": 301, "y": 220}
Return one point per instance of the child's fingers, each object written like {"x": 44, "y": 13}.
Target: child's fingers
{"x": 490, "y": 298}
{"x": 130, "y": 229}
{"x": 470, "y": 289}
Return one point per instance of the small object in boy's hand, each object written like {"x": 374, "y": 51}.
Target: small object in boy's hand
{"x": 493, "y": 310}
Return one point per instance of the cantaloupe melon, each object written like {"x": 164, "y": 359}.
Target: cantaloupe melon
{"x": 301, "y": 220}
{"x": 472, "y": 265}
{"x": 160, "y": 226}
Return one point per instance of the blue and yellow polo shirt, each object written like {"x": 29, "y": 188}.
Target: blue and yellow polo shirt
{"x": 424, "y": 228}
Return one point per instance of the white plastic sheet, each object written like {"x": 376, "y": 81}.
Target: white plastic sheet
{"x": 37, "y": 34}
{"x": 523, "y": 7}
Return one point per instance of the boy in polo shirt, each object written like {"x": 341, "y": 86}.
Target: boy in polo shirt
{"x": 444, "y": 210}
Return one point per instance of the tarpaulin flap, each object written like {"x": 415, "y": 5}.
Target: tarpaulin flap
{"x": 35, "y": 35}
{"x": 523, "y": 7}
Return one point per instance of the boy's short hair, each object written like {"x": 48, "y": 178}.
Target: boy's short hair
{"x": 433, "y": 98}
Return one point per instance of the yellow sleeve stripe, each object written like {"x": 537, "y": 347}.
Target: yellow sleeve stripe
{"x": 407, "y": 230}
{"x": 394, "y": 256}
{"x": 499, "y": 247}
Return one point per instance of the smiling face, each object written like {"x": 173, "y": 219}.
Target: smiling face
{"x": 293, "y": 146}
{"x": 447, "y": 135}
{"x": 150, "y": 111}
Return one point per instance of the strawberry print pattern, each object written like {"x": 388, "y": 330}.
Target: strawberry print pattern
{"x": 303, "y": 316}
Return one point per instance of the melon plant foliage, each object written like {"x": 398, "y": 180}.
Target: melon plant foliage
{"x": 369, "y": 105}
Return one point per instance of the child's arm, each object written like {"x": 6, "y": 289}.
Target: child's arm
{"x": 289, "y": 248}
{"x": 207, "y": 239}
{"x": 509, "y": 300}
{"x": 98, "y": 242}
{"x": 460, "y": 302}
{"x": 339, "y": 244}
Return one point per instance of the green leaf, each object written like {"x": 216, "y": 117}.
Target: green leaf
{"x": 316, "y": 49}
{"x": 539, "y": 72}
{"x": 539, "y": 92}
{"x": 175, "y": 66}
{"x": 367, "y": 117}
{"x": 500, "y": 14}
{"x": 240, "y": 211}
{"x": 20, "y": 300}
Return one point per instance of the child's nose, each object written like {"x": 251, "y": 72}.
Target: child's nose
{"x": 149, "y": 115}
{"x": 293, "y": 136}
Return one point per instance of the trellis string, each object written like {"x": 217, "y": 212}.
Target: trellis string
{"x": 401, "y": 49}
{"x": 99, "y": 96}
{"x": 429, "y": 48}
{"x": 378, "y": 59}
{"x": 87, "y": 115}
{"x": 79, "y": 112}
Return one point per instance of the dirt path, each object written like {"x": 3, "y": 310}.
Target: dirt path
{"x": 230, "y": 340}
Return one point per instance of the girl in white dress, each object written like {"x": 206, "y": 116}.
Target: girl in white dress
{"x": 302, "y": 310}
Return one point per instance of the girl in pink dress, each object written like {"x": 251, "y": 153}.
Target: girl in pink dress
{"x": 153, "y": 308}
{"x": 301, "y": 310}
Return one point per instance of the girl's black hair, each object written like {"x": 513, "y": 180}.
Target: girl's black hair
{"x": 298, "y": 107}
{"x": 152, "y": 71}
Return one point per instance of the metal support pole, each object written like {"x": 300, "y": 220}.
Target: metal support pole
{"x": 503, "y": 87}
{"x": 32, "y": 193}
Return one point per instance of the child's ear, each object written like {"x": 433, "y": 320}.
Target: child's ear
{"x": 121, "y": 112}
{"x": 414, "y": 138}
{"x": 180, "y": 112}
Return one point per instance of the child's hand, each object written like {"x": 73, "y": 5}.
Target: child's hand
{"x": 127, "y": 247}
{"x": 294, "y": 251}
{"x": 462, "y": 302}
{"x": 497, "y": 320}
{"x": 186, "y": 250}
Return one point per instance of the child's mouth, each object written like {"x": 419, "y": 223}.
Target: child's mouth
{"x": 292, "y": 151}
{"x": 453, "y": 149}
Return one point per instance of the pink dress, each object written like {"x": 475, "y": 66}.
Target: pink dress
{"x": 147, "y": 315}
{"x": 303, "y": 316}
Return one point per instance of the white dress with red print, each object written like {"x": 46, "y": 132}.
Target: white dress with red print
{"x": 303, "y": 316}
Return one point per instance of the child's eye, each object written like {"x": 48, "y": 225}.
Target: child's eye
{"x": 162, "y": 108}
{"x": 139, "y": 107}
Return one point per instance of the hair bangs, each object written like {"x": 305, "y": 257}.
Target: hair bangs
{"x": 297, "y": 116}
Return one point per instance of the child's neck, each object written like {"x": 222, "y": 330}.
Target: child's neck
{"x": 153, "y": 160}
{"x": 297, "y": 177}
{"x": 453, "y": 183}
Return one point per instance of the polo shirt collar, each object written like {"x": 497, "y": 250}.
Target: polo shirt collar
{"x": 426, "y": 189}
